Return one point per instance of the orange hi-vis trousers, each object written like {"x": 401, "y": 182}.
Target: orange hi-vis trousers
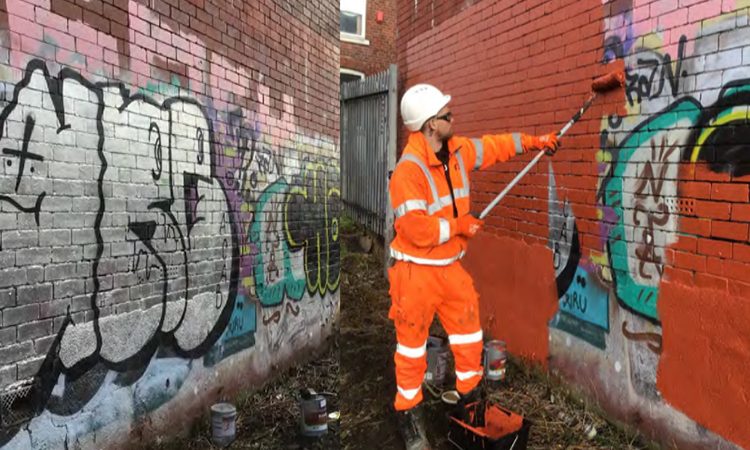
{"x": 417, "y": 292}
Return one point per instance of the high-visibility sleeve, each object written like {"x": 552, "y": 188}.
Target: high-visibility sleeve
{"x": 495, "y": 148}
{"x": 409, "y": 199}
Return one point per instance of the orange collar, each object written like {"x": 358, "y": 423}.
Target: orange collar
{"x": 418, "y": 145}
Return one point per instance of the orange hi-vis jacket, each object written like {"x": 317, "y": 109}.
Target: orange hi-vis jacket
{"x": 426, "y": 228}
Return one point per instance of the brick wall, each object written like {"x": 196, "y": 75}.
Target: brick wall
{"x": 381, "y": 51}
{"x": 625, "y": 257}
{"x": 168, "y": 208}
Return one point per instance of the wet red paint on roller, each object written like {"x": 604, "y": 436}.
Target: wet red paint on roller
{"x": 612, "y": 80}
{"x": 516, "y": 285}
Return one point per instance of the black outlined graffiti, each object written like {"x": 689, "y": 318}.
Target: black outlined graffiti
{"x": 719, "y": 138}
{"x": 275, "y": 277}
{"x": 187, "y": 284}
{"x": 652, "y": 74}
{"x": 652, "y": 205}
{"x": 311, "y": 221}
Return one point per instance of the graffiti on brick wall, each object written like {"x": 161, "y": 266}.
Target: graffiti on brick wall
{"x": 653, "y": 74}
{"x": 117, "y": 197}
{"x": 147, "y": 202}
{"x": 311, "y": 222}
{"x": 717, "y": 136}
{"x": 584, "y": 301}
{"x": 275, "y": 276}
{"x": 126, "y": 209}
{"x": 641, "y": 189}
{"x": 679, "y": 113}
{"x": 675, "y": 115}
{"x": 643, "y": 176}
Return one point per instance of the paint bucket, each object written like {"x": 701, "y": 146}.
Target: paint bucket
{"x": 223, "y": 418}
{"x": 495, "y": 358}
{"x": 313, "y": 415}
{"x": 437, "y": 360}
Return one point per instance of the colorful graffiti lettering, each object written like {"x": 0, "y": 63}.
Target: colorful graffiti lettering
{"x": 638, "y": 263}
{"x": 311, "y": 222}
{"x": 274, "y": 275}
{"x": 129, "y": 184}
{"x": 584, "y": 304}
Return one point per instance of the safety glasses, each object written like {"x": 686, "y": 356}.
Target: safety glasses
{"x": 447, "y": 117}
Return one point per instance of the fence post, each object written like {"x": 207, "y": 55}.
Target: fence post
{"x": 391, "y": 151}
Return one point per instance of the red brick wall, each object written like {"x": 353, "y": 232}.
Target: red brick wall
{"x": 641, "y": 216}
{"x": 160, "y": 159}
{"x": 381, "y": 52}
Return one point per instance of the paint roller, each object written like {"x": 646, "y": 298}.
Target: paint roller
{"x": 604, "y": 83}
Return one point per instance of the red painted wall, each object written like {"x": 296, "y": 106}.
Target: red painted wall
{"x": 516, "y": 304}
{"x": 623, "y": 261}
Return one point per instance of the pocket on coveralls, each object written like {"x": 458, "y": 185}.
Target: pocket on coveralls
{"x": 397, "y": 276}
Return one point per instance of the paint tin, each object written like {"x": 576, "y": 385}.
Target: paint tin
{"x": 223, "y": 420}
{"x": 313, "y": 414}
{"x": 437, "y": 361}
{"x": 495, "y": 358}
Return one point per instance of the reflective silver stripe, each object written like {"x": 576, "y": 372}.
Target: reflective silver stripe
{"x": 425, "y": 261}
{"x": 458, "y": 339}
{"x": 410, "y": 205}
{"x": 430, "y": 181}
{"x": 440, "y": 204}
{"x": 480, "y": 153}
{"x": 464, "y": 191}
{"x": 409, "y": 394}
{"x": 517, "y": 141}
{"x": 461, "y": 193}
{"x": 466, "y": 375}
{"x": 412, "y": 352}
{"x": 445, "y": 231}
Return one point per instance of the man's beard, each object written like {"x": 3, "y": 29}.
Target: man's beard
{"x": 446, "y": 137}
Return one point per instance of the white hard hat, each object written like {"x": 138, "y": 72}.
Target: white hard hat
{"x": 419, "y": 103}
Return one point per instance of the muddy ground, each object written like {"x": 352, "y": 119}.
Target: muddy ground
{"x": 356, "y": 373}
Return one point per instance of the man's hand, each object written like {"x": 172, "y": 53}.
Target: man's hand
{"x": 547, "y": 142}
{"x": 469, "y": 225}
{"x": 550, "y": 143}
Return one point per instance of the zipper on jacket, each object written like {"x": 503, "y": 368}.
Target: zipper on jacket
{"x": 445, "y": 161}
{"x": 446, "y": 170}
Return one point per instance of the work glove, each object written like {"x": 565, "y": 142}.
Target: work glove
{"x": 547, "y": 142}
{"x": 469, "y": 225}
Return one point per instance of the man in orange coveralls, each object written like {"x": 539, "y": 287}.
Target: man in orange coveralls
{"x": 429, "y": 193}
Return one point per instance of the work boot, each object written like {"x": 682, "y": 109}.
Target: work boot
{"x": 412, "y": 429}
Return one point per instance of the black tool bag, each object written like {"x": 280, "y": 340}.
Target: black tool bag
{"x": 488, "y": 426}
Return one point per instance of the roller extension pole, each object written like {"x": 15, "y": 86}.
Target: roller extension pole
{"x": 612, "y": 80}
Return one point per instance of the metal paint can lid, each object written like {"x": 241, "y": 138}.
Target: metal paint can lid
{"x": 223, "y": 408}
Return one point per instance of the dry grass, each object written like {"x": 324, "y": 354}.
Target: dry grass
{"x": 269, "y": 418}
